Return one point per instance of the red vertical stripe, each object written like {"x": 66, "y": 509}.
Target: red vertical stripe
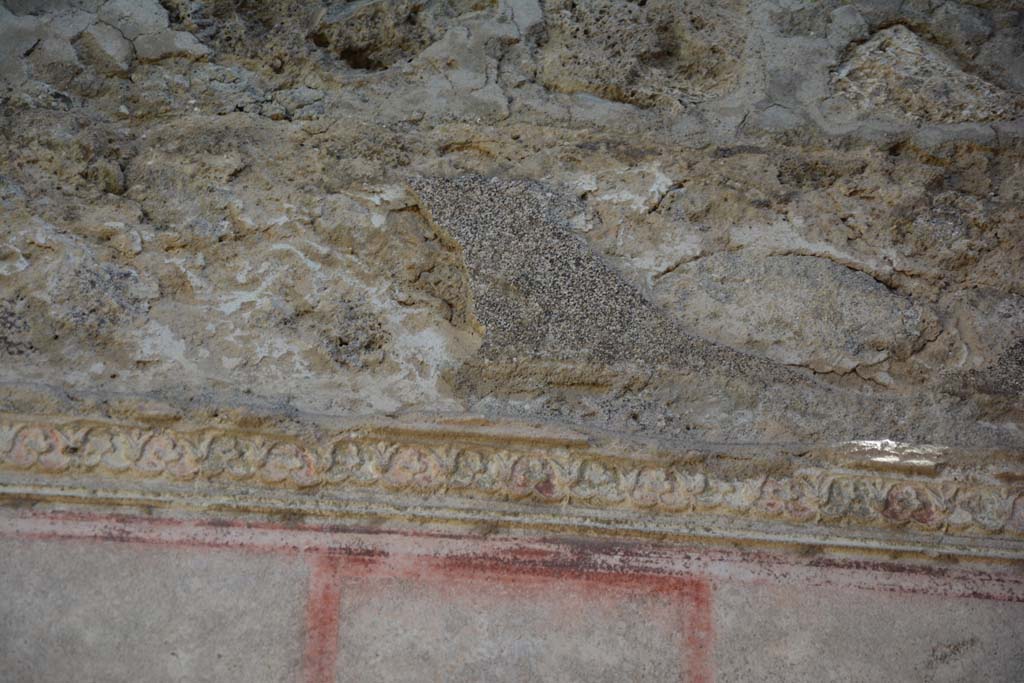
{"x": 700, "y": 632}
{"x": 322, "y": 612}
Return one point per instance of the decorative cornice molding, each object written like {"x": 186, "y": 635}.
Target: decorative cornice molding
{"x": 910, "y": 505}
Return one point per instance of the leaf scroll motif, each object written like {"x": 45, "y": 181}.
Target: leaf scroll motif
{"x": 693, "y": 489}
{"x": 795, "y": 498}
{"x": 170, "y": 454}
{"x": 907, "y": 502}
{"x": 358, "y": 463}
{"x": 7, "y": 434}
{"x": 541, "y": 477}
{"x": 487, "y": 473}
{"x": 228, "y": 455}
{"x": 342, "y": 461}
{"x": 855, "y": 499}
{"x": 538, "y": 475}
{"x": 289, "y": 462}
{"x": 598, "y": 482}
{"x": 535, "y": 476}
{"x": 110, "y": 450}
{"x": 418, "y": 468}
{"x": 654, "y": 486}
{"x": 987, "y": 509}
{"x": 1016, "y": 521}
{"x": 469, "y": 466}
{"x": 36, "y": 444}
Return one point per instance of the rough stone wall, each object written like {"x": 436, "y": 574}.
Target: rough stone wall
{"x": 740, "y": 220}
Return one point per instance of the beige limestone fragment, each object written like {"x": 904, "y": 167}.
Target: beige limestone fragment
{"x": 105, "y": 47}
{"x": 153, "y": 48}
{"x": 897, "y": 71}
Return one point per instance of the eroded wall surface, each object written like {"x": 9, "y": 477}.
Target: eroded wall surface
{"x": 728, "y": 221}
{"x": 457, "y": 339}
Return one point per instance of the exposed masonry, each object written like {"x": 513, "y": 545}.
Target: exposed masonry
{"x": 919, "y": 497}
{"x": 212, "y": 213}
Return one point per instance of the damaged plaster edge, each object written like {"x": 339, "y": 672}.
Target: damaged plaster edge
{"x": 411, "y": 184}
